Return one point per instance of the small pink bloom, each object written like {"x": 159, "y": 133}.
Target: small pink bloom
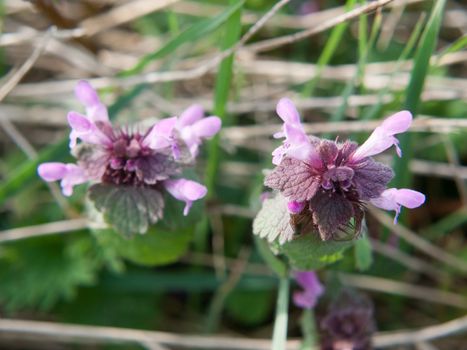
{"x": 70, "y": 174}
{"x": 312, "y": 289}
{"x": 194, "y": 128}
{"x": 190, "y": 116}
{"x": 383, "y": 136}
{"x": 161, "y": 134}
{"x": 297, "y": 144}
{"x": 95, "y": 109}
{"x": 295, "y": 207}
{"x": 185, "y": 190}
{"x": 393, "y": 199}
{"x": 86, "y": 130}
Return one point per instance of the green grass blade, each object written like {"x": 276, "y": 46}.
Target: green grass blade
{"x": 190, "y": 35}
{"x": 328, "y": 52}
{"x": 221, "y": 96}
{"x": 414, "y": 90}
{"x": 373, "y": 111}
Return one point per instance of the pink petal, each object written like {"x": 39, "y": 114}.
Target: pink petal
{"x": 52, "y": 171}
{"x": 74, "y": 176}
{"x": 409, "y": 198}
{"x": 79, "y": 122}
{"x": 298, "y": 146}
{"x": 397, "y": 123}
{"x": 70, "y": 174}
{"x": 85, "y": 130}
{"x": 161, "y": 134}
{"x": 295, "y": 207}
{"x": 185, "y": 190}
{"x": 86, "y": 94}
{"x": 383, "y": 136}
{"x": 207, "y": 127}
{"x": 191, "y": 115}
{"x": 98, "y": 112}
{"x": 393, "y": 199}
{"x": 287, "y": 111}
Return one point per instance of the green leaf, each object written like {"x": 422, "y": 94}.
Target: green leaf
{"x": 304, "y": 252}
{"x": 155, "y": 247}
{"x": 309, "y": 252}
{"x": 272, "y": 221}
{"x": 363, "y": 253}
{"x": 128, "y": 209}
{"x": 37, "y": 273}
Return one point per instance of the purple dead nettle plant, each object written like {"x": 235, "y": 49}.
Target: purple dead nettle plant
{"x": 327, "y": 183}
{"x": 153, "y": 159}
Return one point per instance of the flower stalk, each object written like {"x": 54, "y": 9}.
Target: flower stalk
{"x": 279, "y": 336}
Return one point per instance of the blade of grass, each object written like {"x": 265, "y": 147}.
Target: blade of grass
{"x": 458, "y": 45}
{"x": 198, "y": 30}
{"x": 328, "y": 52}
{"x": 221, "y": 96}
{"x": 373, "y": 111}
{"x": 414, "y": 90}
{"x": 364, "y": 48}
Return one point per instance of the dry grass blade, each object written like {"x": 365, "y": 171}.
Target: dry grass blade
{"x": 270, "y": 44}
{"x": 418, "y": 242}
{"x": 391, "y": 339}
{"x": 59, "y": 333}
{"x": 50, "y": 228}
{"x": 123, "y": 14}
{"x": 385, "y": 285}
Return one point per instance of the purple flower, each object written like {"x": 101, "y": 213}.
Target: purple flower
{"x": 110, "y": 155}
{"x": 185, "y": 190}
{"x": 193, "y": 128}
{"x": 312, "y": 289}
{"x": 330, "y": 181}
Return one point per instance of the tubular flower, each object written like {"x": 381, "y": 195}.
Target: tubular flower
{"x": 329, "y": 182}
{"x": 312, "y": 289}
{"x": 154, "y": 159}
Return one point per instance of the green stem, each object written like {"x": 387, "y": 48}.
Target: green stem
{"x": 308, "y": 325}
{"x": 279, "y": 336}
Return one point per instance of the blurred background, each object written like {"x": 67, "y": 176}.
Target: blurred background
{"x": 153, "y": 58}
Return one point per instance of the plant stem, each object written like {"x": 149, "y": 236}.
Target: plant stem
{"x": 279, "y": 337}
{"x": 309, "y": 333}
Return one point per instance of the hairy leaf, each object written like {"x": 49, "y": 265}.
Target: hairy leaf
{"x": 371, "y": 179}
{"x": 37, "y": 273}
{"x": 330, "y": 211}
{"x": 309, "y": 252}
{"x": 295, "y": 179}
{"x": 273, "y": 220}
{"x": 128, "y": 209}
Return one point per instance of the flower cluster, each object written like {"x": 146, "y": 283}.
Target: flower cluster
{"x": 329, "y": 182}
{"x": 349, "y": 323}
{"x": 153, "y": 159}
